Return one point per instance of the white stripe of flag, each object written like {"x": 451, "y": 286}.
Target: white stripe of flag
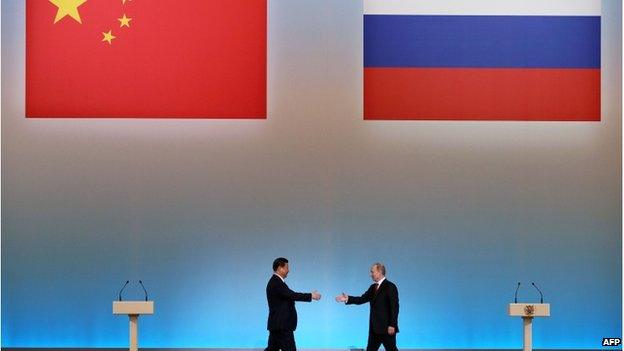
{"x": 485, "y": 7}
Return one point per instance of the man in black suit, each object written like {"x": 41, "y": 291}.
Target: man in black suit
{"x": 384, "y": 309}
{"x": 282, "y": 314}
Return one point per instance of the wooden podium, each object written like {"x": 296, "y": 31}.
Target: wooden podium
{"x": 528, "y": 311}
{"x": 133, "y": 309}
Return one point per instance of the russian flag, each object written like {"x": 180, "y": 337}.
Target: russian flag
{"x": 524, "y": 60}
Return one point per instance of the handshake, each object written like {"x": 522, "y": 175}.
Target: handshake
{"x": 383, "y": 319}
{"x": 340, "y": 298}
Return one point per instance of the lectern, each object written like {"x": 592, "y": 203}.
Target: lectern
{"x": 133, "y": 309}
{"x": 528, "y": 311}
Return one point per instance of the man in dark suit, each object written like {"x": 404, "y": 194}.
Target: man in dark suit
{"x": 384, "y": 309}
{"x": 282, "y": 314}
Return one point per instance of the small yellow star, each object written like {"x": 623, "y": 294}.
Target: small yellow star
{"x": 124, "y": 1}
{"x": 68, "y": 8}
{"x": 109, "y": 37}
{"x": 125, "y": 21}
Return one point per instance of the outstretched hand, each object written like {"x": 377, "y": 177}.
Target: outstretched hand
{"x": 342, "y": 298}
{"x": 316, "y": 295}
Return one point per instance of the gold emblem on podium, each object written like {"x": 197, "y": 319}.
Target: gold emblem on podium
{"x": 529, "y": 310}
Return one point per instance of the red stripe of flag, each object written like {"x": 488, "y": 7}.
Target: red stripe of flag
{"x": 482, "y": 94}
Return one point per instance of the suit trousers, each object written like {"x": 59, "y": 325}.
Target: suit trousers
{"x": 281, "y": 340}
{"x": 375, "y": 340}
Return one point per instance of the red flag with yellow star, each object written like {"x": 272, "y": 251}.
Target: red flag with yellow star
{"x": 146, "y": 58}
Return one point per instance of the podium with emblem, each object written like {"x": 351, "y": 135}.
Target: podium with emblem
{"x": 528, "y": 311}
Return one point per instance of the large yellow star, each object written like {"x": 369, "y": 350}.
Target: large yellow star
{"x": 109, "y": 37}
{"x": 68, "y": 8}
{"x": 125, "y": 21}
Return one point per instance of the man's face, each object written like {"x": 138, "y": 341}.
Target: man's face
{"x": 375, "y": 274}
{"x": 283, "y": 271}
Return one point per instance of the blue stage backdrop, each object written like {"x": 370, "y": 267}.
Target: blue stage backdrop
{"x": 458, "y": 211}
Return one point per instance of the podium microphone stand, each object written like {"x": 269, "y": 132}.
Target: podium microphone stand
{"x": 528, "y": 311}
{"x": 133, "y": 309}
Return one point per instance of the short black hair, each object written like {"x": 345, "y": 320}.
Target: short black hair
{"x": 279, "y": 262}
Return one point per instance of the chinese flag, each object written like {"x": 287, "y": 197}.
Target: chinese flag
{"x": 146, "y": 58}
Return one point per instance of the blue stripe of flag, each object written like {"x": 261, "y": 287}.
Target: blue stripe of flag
{"x": 482, "y": 41}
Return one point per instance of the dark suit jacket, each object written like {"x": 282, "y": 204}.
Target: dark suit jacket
{"x": 282, "y": 313}
{"x": 384, "y": 306}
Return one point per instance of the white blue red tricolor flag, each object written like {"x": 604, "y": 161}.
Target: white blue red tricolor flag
{"x": 528, "y": 60}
